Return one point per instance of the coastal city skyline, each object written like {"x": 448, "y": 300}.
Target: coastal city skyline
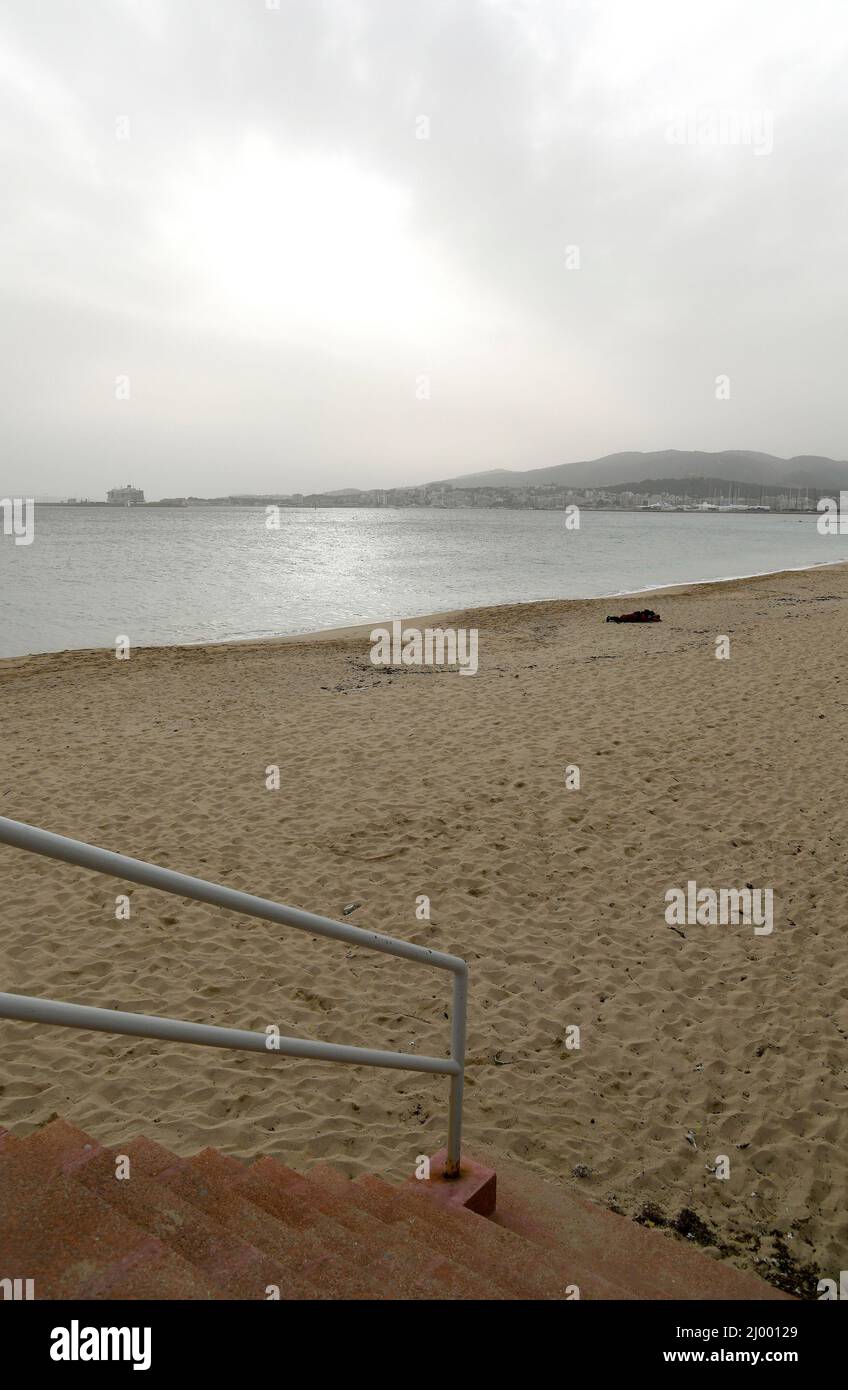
{"x": 701, "y": 495}
{"x": 666, "y": 480}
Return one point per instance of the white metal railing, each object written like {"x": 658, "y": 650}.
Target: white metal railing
{"x": 35, "y": 1010}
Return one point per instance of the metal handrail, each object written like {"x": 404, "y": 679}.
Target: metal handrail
{"x": 35, "y": 1010}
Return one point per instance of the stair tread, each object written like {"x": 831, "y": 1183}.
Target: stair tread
{"x": 73, "y": 1244}
{"x": 385, "y": 1259}
{"x": 56, "y": 1148}
{"x": 380, "y": 1270}
{"x": 443, "y": 1262}
{"x": 207, "y": 1182}
{"x": 227, "y": 1261}
{"x": 454, "y": 1278}
{"x": 347, "y": 1252}
{"x": 223, "y": 1162}
{"x": 519, "y": 1269}
{"x": 150, "y": 1158}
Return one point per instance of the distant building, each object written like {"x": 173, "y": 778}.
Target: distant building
{"x": 128, "y": 496}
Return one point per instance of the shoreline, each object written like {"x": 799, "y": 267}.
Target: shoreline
{"x": 355, "y": 631}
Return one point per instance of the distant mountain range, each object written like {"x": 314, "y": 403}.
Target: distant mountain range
{"x": 744, "y": 466}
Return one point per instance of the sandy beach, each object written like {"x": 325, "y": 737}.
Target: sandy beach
{"x": 696, "y": 1043}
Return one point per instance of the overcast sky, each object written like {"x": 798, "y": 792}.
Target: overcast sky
{"x": 369, "y": 242}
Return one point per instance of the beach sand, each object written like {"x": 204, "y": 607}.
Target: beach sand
{"x": 716, "y": 1041}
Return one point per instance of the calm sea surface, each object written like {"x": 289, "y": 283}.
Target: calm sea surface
{"x": 202, "y": 574}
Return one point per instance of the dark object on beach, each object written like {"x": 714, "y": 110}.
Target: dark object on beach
{"x": 644, "y": 615}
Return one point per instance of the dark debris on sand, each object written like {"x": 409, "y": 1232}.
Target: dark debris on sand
{"x": 778, "y": 1267}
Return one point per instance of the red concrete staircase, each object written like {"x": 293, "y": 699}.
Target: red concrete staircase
{"x": 212, "y": 1227}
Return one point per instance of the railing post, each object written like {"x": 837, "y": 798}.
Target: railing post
{"x": 458, "y": 1017}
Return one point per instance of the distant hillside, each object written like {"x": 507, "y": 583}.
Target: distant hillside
{"x": 706, "y": 488}
{"x": 805, "y": 470}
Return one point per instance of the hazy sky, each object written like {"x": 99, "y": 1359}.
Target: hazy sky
{"x": 230, "y": 202}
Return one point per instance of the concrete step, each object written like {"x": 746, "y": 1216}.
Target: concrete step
{"x": 56, "y": 1148}
{"x": 319, "y": 1234}
{"x": 223, "y": 1163}
{"x": 381, "y": 1273}
{"x": 75, "y": 1245}
{"x": 208, "y": 1181}
{"x": 499, "y": 1256}
{"x": 230, "y": 1263}
{"x": 150, "y": 1159}
{"x": 393, "y": 1261}
{"x": 363, "y": 1263}
{"x": 452, "y": 1279}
